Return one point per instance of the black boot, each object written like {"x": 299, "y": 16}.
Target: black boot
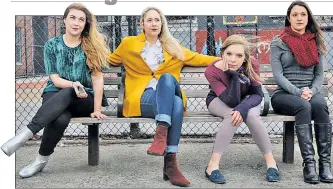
{"x": 304, "y": 135}
{"x": 323, "y": 132}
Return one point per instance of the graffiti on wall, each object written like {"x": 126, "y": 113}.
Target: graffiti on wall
{"x": 263, "y": 47}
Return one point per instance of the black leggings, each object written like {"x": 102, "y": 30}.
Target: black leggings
{"x": 304, "y": 111}
{"x": 54, "y": 116}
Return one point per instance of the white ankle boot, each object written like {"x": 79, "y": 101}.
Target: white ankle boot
{"x": 35, "y": 167}
{"x": 17, "y": 141}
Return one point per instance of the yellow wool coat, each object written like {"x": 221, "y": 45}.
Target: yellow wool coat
{"x": 138, "y": 73}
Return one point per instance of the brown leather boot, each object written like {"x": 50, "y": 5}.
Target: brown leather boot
{"x": 171, "y": 171}
{"x": 160, "y": 141}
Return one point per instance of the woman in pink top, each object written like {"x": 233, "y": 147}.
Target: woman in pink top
{"x": 235, "y": 96}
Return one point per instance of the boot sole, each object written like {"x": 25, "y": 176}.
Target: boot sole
{"x": 166, "y": 178}
{"x": 23, "y": 177}
{"x": 5, "y": 152}
{"x": 155, "y": 154}
{"x": 312, "y": 182}
{"x": 273, "y": 180}
{"x": 326, "y": 181}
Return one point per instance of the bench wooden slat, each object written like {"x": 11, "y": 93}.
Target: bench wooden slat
{"x": 190, "y": 93}
{"x": 203, "y": 81}
{"x": 202, "y": 93}
{"x": 268, "y": 68}
{"x": 199, "y": 116}
{"x": 195, "y": 81}
{"x": 193, "y": 69}
{"x": 199, "y": 93}
{"x": 264, "y": 68}
{"x": 196, "y": 93}
{"x": 111, "y": 93}
{"x": 112, "y": 80}
{"x": 325, "y": 91}
{"x": 183, "y": 81}
{"x": 113, "y": 70}
{"x": 271, "y": 81}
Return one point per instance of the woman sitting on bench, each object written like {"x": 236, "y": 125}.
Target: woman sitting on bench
{"x": 75, "y": 87}
{"x": 298, "y": 68}
{"x": 235, "y": 96}
{"x": 153, "y": 61}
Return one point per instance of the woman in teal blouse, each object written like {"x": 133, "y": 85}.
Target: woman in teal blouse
{"x": 73, "y": 61}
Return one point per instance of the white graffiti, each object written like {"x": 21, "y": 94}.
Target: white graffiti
{"x": 265, "y": 46}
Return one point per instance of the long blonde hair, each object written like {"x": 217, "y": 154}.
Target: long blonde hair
{"x": 169, "y": 43}
{"x": 94, "y": 43}
{"x": 241, "y": 40}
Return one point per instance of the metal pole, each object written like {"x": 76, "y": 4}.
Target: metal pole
{"x": 25, "y": 46}
{"x": 134, "y": 127}
{"x": 117, "y": 21}
{"x": 131, "y": 21}
{"x": 210, "y": 36}
{"x": 135, "y": 31}
{"x": 130, "y": 25}
{"x": 55, "y": 25}
{"x": 190, "y": 32}
{"x": 111, "y": 35}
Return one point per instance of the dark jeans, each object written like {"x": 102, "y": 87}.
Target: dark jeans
{"x": 54, "y": 116}
{"x": 165, "y": 104}
{"x": 304, "y": 111}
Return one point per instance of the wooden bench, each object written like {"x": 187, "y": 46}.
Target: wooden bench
{"x": 190, "y": 86}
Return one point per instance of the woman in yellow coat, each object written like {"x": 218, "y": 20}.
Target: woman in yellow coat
{"x": 153, "y": 61}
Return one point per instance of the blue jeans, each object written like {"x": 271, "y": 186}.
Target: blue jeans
{"x": 165, "y": 104}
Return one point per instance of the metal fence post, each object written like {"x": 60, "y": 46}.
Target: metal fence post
{"x": 39, "y": 28}
{"x": 131, "y": 21}
{"x": 117, "y": 22}
{"x": 210, "y": 36}
{"x": 132, "y": 31}
{"x": 25, "y": 46}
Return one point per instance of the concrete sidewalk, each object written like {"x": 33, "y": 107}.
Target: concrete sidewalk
{"x": 126, "y": 165}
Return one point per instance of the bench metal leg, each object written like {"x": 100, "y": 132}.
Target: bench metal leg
{"x": 93, "y": 144}
{"x": 288, "y": 141}
{"x": 135, "y": 131}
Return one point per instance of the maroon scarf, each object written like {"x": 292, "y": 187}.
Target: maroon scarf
{"x": 303, "y": 46}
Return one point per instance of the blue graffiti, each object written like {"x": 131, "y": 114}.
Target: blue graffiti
{"x": 218, "y": 45}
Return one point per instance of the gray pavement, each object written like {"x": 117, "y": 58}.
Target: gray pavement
{"x": 126, "y": 165}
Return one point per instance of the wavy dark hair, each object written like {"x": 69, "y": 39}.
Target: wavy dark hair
{"x": 312, "y": 25}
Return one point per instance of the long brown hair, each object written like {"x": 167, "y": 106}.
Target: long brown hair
{"x": 94, "y": 43}
{"x": 241, "y": 40}
{"x": 170, "y": 44}
{"x": 312, "y": 25}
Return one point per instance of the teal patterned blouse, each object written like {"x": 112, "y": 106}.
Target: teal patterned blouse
{"x": 69, "y": 63}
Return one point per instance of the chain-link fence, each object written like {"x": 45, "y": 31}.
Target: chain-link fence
{"x": 203, "y": 34}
